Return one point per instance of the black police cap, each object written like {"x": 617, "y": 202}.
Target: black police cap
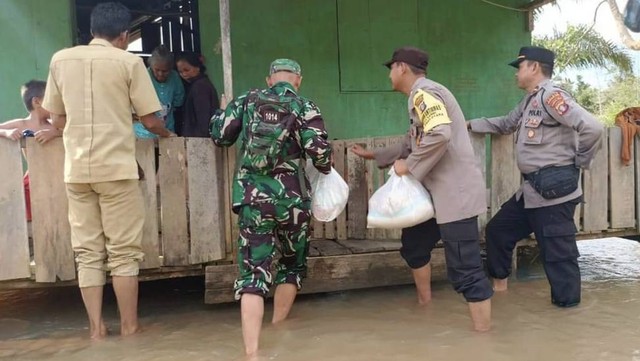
{"x": 411, "y": 56}
{"x": 534, "y": 53}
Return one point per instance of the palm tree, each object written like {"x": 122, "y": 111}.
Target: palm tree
{"x": 581, "y": 47}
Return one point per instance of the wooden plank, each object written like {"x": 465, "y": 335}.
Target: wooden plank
{"x": 317, "y": 228}
{"x": 577, "y": 217}
{"x": 329, "y": 248}
{"x": 330, "y": 227}
{"x": 330, "y": 230}
{"x": 370, "y": 169}
{"x": 173, "y": 188}
{"x": 145, "y": 155}
{"x": 228, "y": 175}
{"x": 357, "y": 204}
{"x": 50, "y": 212}
{"x": 340, "y": 149}
{"x": 370, "y": 246}
{"x": 382, "y": 142}
{"x": 225, "y": 46}
{"x": 313, "y": 252}
{"x": 206, "y": 205}
{"x": 578, "y": 213}
{"x": 329, "y": 274}
{"x": 14, "y": 237}
{"x": 233, "y": 231}
{"x": 479, "y": 144}
{"x": 505, "y": 176}
{"x": 394, "y": 233}
{"x": 637, "y": 189}
{"x": 622, "y": 184}
{"x": 596, "y": 191}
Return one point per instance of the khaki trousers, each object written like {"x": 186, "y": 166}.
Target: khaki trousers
{"x": 106, "y": 229}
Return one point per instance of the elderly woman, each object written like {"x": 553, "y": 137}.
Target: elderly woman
{"x": 168, "y": 86}
{"x": 202, "y": 98}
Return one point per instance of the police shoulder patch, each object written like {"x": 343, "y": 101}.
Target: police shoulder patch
{"x": 430, "y": 110}
{"x": 558, "y": 102}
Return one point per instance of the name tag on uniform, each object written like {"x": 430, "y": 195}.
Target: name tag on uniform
{"x": 532, "y": 122}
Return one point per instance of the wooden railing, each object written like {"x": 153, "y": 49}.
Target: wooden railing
{"x": 192, "y": 223}
{"x": 611, "y": 196}
{"x": 186, "y": 228}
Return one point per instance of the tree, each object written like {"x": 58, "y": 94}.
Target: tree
{"x": 623, "y": 32}
{"x": 582, "y": 47}
{"x": 623, "y": 92}
{"x": 625, "y": 36}
{"x": 586, "y": 95}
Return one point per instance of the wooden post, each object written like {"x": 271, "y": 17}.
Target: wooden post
{"x": 231, "y": 231}
{"x": 225, "y": 41}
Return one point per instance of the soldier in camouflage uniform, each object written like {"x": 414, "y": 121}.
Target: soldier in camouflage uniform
{"x": 278, "y": 131}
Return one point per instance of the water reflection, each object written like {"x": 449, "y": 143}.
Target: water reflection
{"x": 380, "y": 324}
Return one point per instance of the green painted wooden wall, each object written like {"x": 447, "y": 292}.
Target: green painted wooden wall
{"x": 340, "y": 44}
{"x": 30, "y": 32}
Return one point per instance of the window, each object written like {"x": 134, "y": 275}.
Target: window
{"x": 173, "y": 23}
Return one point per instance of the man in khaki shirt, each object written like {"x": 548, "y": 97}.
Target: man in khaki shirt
{"x": 90, "y": 93}
{"x": 438, "y": 152}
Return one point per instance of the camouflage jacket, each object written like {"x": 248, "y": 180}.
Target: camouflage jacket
{"x": 283, "y": 181}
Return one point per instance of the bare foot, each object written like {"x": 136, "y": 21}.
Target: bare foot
{"x": 129, "y": 330}
{"x": 500, "y": 285}
{"x": 251, "y": 355}
{"x": 99, "y": 333}
{"x": 482, "y": 328}
{"x": 423, "y": 301}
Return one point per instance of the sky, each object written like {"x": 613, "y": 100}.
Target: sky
{"x": 576, "y": 12}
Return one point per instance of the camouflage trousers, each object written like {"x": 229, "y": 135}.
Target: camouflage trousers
{"x": 263, "y": 228}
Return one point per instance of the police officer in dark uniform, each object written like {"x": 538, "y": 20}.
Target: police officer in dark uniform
{"x": 555, "y": 138}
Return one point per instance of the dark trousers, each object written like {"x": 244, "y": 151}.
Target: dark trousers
{"x": 555, "y": 233}
{"x": 461, "y": 250}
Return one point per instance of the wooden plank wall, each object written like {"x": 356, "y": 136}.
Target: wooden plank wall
{"x": 596, "y": 188}
{"x": 206, "y": 203}
{"x": 637, "y": 165}
{"x": 49, "y": 208}
{"x": 479, "y": 143}
{"x": 597, "y": 215}
{"x": 621, "y": 200}
{"x": 505, "y": 175}
{"x": 173, "y": 185}
{"x": 339, "y": 149}
{"x": 14, "y": 237}
{"x": 194, "y": 216}
{"x": 195, "y": 220}
{"x": 356, "y": 177}
{"x": 145, "y": 154}
{"x": 182, "y": 216}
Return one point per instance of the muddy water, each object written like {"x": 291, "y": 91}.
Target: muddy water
{"x": 380, "y": 324}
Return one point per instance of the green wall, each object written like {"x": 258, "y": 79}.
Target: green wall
{"x": 30, "y": 32}
{"x": 341, "y": 45}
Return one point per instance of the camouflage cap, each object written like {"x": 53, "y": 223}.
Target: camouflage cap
{"x": 285, "y": 65}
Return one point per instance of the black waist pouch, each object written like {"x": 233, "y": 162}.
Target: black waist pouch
{"x": 554, "y": 182}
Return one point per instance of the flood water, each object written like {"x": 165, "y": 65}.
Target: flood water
{"x": 378, "y": 324}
